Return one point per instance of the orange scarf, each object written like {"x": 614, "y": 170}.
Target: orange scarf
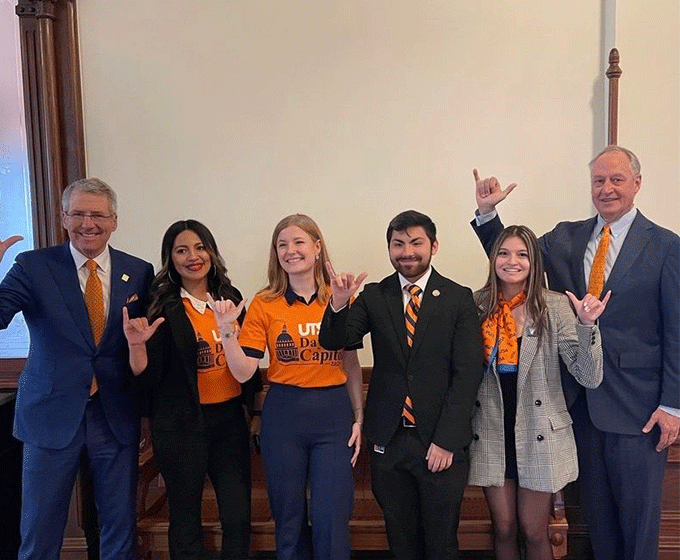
{"x": 500, "y": 328}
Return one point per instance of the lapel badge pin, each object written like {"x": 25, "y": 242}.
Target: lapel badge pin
{"x": 436, "y": 293}
{"x": 125, "y": 278}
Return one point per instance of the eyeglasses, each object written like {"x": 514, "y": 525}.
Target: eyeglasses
{"x": 95, "y": 217}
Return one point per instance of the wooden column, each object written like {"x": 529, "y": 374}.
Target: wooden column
{"x": 54, "y": 120}
{"x": 613, "y": 74}
{"x": 53, "y": 105}
{"x": 56, "y": 155}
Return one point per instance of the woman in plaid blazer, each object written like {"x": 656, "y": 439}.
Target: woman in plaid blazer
{"x": 523, "y": 446}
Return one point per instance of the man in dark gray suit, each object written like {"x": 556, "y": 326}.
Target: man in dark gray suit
{"x": 624, "y": 427}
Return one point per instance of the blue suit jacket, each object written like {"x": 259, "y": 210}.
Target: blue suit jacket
{"x": 640, "y": 326}
{"x": 54, "y": 385}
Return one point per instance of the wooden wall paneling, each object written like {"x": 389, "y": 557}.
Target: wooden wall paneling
{"x": 53, "y": 106}
{"x": 669, "y": 534}
{"x": 56, "y": 153}
{"x": 54, "y": 120}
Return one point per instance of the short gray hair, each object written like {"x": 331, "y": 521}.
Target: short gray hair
{"x": 634, "y": 161}
{"x": 91, "y": 186}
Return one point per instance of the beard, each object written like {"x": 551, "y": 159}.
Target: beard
{"x": 411, "y": 269}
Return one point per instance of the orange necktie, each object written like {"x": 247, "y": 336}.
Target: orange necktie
{"x": 411, "y": 317}
{"x": 596, "y": 281}
{"x": 94, "y": 301}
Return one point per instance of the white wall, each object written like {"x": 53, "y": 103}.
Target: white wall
{"x": 648, "y": 35}
{"x": 239, "y": 113}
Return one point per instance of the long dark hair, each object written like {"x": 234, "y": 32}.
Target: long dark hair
{"x": 167, "y": 283}
{"x": 535, "y": 282}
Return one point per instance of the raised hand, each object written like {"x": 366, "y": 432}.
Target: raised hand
{"x": 589, "y": 308}
{"x": 488, "y": 192}
{"x": 343, "y": 285}
{"x": 226, "y": 312}
{"x": 138, "y": 331}
{"x": 7, "y": 243}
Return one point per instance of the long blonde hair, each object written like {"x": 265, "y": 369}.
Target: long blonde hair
{"x": 278, "y": 278}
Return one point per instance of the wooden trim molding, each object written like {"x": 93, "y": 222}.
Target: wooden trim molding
{"x": 10, "y": 368}
{"x": 53, "y": 105}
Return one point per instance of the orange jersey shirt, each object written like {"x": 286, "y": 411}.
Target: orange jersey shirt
{"x": 289, "y": 331}
{"x": 215, "y": 382}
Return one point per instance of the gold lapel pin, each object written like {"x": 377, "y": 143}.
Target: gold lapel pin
{"x": 436, "y": 293}
{"x": 125, "y": 278}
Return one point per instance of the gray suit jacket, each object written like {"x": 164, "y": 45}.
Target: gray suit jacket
{"x": 640, "y": 326}
{"x": 546, "y": 451}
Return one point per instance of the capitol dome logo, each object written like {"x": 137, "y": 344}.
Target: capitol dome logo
{"x": 206, "y": 360}
{"x": 286, "y": 351}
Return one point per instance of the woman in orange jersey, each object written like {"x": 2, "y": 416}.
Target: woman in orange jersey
{"x": 312, "y": 415}
{"x": 198, "y": 422}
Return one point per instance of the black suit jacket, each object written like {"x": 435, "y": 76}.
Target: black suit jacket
{"x": 640, "y": 326}
{"x": 441, "y": 372}
{"x": 170, "y": 379}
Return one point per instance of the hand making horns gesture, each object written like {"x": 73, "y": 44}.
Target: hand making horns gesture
{"x": 226, "y": 312}
{"x": 138, "y": 331}
{"x": 589, "y": 308}
{"x": 343, "y": 285}
{"x": 488, "y": 192}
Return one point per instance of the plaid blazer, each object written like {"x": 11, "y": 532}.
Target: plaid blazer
{"x": 546, "y": 451}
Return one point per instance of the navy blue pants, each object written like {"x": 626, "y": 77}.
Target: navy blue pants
{"x": 304, "y": 443}
{"x": 620, "y": 486}
{"x": 48, "y": 479}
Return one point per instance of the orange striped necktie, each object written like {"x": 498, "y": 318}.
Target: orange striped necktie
{"x": 412, "y": 308}
{"x": 596, "y": 281}
{"x": 411, "y": 317}
{"x": 94, "y": 301}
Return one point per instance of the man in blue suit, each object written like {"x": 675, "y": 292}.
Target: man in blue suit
{"x": 74, "y": 392}
{"x": 624, "y": 427}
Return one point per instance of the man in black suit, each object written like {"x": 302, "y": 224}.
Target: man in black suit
{"x": 418, "y": 452}
{"x": 623, "y": 428}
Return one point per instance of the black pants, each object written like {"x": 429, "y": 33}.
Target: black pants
{"x": 421, "y": 508}
{"x": 222, "y": 451}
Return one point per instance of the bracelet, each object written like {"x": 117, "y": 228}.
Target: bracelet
{"x": 256, "y": 413}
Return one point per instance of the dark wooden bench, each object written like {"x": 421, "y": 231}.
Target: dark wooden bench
{"x": 367, "y": 526}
